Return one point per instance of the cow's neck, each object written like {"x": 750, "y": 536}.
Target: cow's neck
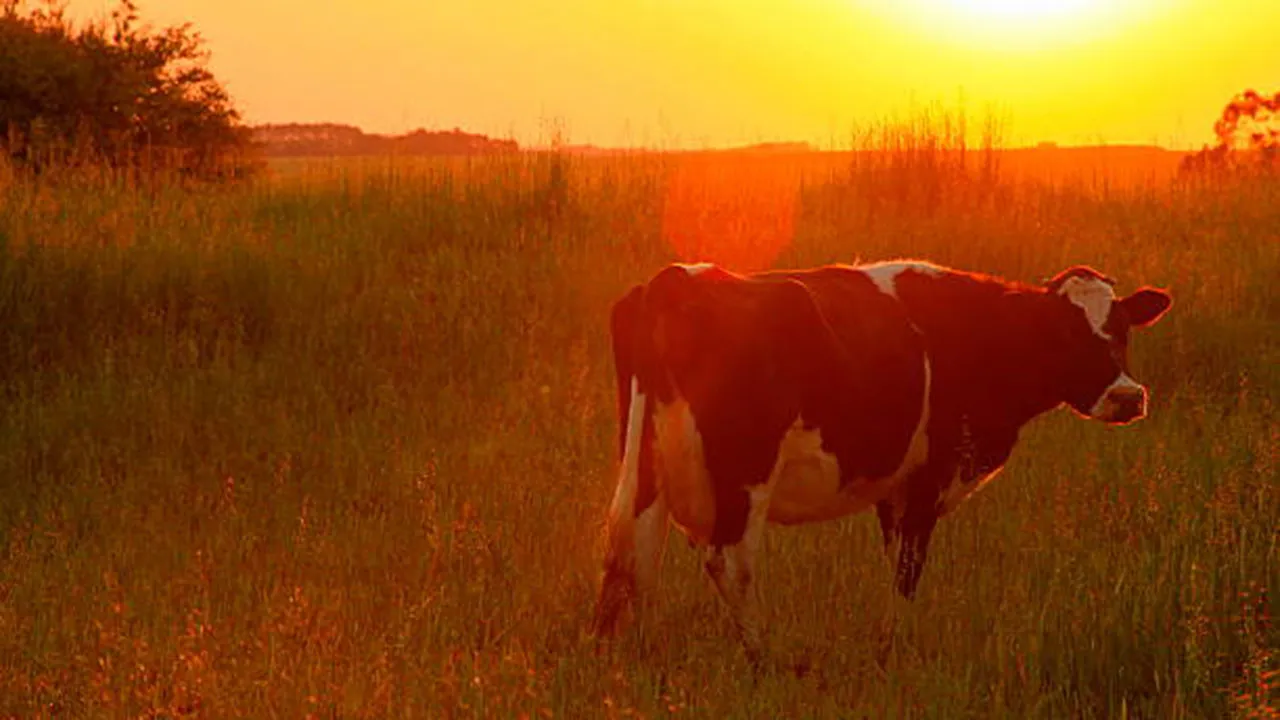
{"x": 1024, "y": 357}
{"x": 993, "y": 371}
{"x": 993, "y": 350}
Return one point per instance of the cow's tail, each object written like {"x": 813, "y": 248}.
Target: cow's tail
{"x": 618, "y": 585}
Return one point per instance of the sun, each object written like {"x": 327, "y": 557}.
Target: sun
{"x": 1015, "y": 25}
{"x": 1024, "y": 11}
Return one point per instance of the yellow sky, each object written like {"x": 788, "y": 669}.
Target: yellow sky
{"x": 722, "y": 72}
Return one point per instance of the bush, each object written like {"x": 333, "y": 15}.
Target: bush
{"x": 113, "y": 93}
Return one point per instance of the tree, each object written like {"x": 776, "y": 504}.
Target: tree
{"x": 1249, "y": 127}
{"x": 114, "y": 92}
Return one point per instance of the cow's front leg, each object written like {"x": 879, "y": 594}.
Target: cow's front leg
{"x": 731, "y": 567}
{"x": 906, "y": 522}
{"x": 889, "y": 512}
{"x": 917, "y": 525}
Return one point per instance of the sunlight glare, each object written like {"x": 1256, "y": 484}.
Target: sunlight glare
{"x": 1017, "y": 25}
{"x": 1023, "y": 10}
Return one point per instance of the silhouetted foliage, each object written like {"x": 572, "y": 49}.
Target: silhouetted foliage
{"x": 113, "y": 92}
{"x": 301, "y": 139}
{"x": 1248, "y": 128}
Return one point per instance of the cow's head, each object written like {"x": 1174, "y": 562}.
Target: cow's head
{"x": 1098, "y": 383}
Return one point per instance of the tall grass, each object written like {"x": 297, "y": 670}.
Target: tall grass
{"x": 339, "y": 443}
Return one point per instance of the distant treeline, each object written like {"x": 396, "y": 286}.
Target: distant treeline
{"x": 300, "y": 139}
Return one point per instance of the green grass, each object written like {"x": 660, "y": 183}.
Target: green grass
{"x": 341, "y": 443}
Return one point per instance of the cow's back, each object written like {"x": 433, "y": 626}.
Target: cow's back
{"x": 872, "y": 413}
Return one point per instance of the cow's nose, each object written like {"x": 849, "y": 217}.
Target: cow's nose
{"x": 1125, "y": 404}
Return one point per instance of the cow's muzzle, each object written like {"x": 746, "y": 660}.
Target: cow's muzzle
{"x": 1123, "y": 402}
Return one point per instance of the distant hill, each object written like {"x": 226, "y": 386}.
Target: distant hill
{"x": 774, "y": 147}
{"x": 767, "y": 148}
{"x": 1122, "y": 162}
{"x": 303, "y": 139}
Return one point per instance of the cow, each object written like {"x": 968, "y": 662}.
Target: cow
{"x": 800, "y": 396}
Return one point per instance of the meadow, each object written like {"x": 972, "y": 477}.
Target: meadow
{"x": 339, "y": 443}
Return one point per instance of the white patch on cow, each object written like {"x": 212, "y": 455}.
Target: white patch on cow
{"x": 1122, "y": 385}
{"x": 808, "y": 478}
{"x": 1094, "y": 297}
{"x": 624, "y": 496}
{"x": 682, "y": 470}
{"x": 695, "y": 269}
{"x": 885, "y": 274}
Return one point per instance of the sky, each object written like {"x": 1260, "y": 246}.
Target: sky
{"x": 715, "y": 73}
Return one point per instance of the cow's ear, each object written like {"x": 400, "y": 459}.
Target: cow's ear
{"x": 1146, "y": 306}
{"x": 1084, "y": 272}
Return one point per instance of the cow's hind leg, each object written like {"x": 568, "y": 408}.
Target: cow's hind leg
{"x": 637, "y": 528}
{"x": 632, "y": 567}
{"x": 732, "y": 566}
{"x": 651, "y": 541}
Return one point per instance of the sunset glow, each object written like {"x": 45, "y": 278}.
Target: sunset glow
{"x": 638, "y": 358}
{"x": 664, "y": 73}
{"x": 1024, "y": 27}
{"x": 1030, "y": 23}
{"x": 1023, "y": 10}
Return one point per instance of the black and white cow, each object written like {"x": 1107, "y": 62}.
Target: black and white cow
{"x": 807, "y": 395}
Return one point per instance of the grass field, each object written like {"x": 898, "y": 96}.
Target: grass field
{"x": 340, "y": 444}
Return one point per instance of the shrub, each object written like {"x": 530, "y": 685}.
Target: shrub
{"x": 115, "y": 93}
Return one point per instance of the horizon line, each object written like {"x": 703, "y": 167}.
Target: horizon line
{"x": 783, "y": 145}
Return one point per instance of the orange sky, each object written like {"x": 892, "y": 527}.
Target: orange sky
{"x": 720, "y": 72}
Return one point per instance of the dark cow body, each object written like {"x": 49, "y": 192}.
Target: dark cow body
{"x": 805, "y": 395}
